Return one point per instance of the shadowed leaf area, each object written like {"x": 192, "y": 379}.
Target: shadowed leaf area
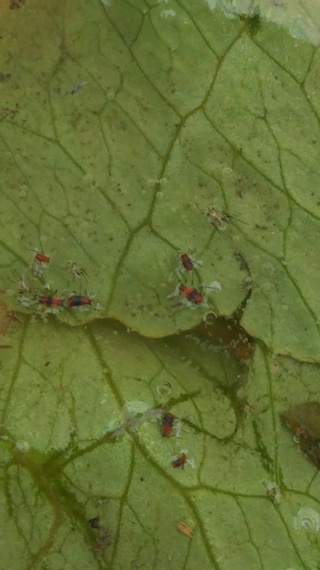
{"x": 159, "y": 315}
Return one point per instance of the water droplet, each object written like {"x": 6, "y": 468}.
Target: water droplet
{"x": 307, "y": 519}
{"x": 227, "y": 172}
{"x": 209, "y": 317}
{"x": 164, "y": 388}
{"x": 167, "y": 14}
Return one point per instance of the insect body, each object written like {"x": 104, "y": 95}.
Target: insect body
{"x": 167, "y": 424}
{"x": 218, "y": 219}
{"x": 180, "y": 461}
{"x": 78, "y": 301}
{"x": 51, "y": 301}
{"x": 42, "y": 258}
{"x": 185, "y": 529}
{"x": 23, "y": 285}
{"x": 191, "y": 294}
{"x": 78, "y": 87}
{"x": 186, "y": 262}
{"x": 76, "y": 270}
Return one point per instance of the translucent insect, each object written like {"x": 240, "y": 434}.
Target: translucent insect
{"x": 220, "y": 218}
{"x": 185, "y": 529}
{"x": 78, "y": 87}
{"x": 76, "y": 270}
{"x": 37, "y": 269}
{"x": 273, "y": 492}
{"x": 27, "y": 301}
{"x": 23, "y": 285}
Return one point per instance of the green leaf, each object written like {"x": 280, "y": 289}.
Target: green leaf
{"x": 132, "y": 132}
{"x": 119, "y": 176}
{"x": 81, "y": 439}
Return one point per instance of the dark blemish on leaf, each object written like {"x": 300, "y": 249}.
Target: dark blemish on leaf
{"x": 6, "y": 113}
{"x": 252, "y": 22}
{"x": 304, "y": 421}
{"x": 4, "y": 77}
{"x": 94, "y": 523}
{"x": 15, "y": 4}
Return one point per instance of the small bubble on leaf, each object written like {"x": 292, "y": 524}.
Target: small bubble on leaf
{"x": 164, "y": 389}
{"x": 307, "y": 519}
{"x": 227, "y": 172}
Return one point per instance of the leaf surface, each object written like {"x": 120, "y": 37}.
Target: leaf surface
{"x": 125, "y": 127}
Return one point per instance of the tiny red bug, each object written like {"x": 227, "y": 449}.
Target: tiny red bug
{"x": 42, "y": 258}
{"x": 180, "y": 461}
{"x": 51, "y": 301}
{"x": 167, "y": 424}
{"x": 186, "y": 262}
{"x": 78, "y": 301}
{"x": 191, "y": 294}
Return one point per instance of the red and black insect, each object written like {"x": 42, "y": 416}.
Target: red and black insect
{"x": 51, "y": 301}
{"x": 180, "y": 461}
{"x": 167, "y": 424}
{"x": 191, "y": 294}
{"x": 78, "y": 301}
{"x": 42, "y": 258}
{"x": 186, "y": 262}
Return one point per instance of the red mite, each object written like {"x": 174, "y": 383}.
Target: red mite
{"x": 42, "y": 258}
{"x": 186, "y": 262}
{"x": 78, "y": 300}
{"x": 51, "y": 301}
{"x": 191, "y": 294}
{"x": 180, "y": 461}
{"x": 167, "y": 424}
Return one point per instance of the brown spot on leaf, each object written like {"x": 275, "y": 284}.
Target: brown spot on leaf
{"x": 304, "y": 421}
{"x": 8, "y": 318}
